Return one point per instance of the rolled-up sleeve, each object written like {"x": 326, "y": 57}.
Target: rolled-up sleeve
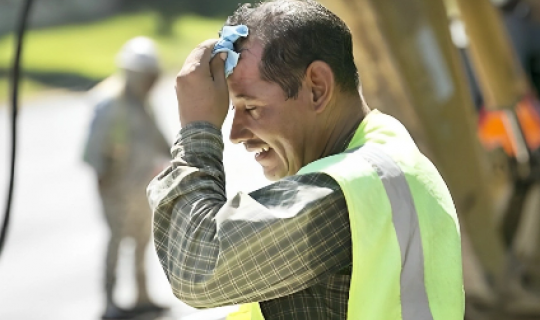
{"x": 253, "y": 247}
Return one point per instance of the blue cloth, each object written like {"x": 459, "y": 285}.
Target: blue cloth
{"x": 229, "y": 35}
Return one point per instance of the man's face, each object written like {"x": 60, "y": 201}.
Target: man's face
{"x": 276, "y": 129}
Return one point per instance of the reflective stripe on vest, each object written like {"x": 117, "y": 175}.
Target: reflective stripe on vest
{"x": 414, "y": 302}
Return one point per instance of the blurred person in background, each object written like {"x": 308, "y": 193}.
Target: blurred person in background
{"x": 126, "y": 149}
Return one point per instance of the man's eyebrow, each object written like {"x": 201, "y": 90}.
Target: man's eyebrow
{"x": 245, "y": 97}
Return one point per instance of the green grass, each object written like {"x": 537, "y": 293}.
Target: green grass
{"x": 90, "y": 49}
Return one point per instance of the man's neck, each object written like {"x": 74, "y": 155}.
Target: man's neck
{"x": 341, "y": 130}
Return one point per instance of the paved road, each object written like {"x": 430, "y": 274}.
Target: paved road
{"x": 52, "y": 264}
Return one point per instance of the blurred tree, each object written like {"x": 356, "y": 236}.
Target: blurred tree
{"x": 169, "y": 10}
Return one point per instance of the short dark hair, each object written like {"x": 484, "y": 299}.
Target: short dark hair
{"x": 294, "y": 33}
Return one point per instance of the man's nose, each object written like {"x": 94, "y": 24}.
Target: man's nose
{"x": 239, "y": 132}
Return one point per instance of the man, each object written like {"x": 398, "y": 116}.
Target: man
{"x": 126, "y": 148}
{"x": 357, "y": 225}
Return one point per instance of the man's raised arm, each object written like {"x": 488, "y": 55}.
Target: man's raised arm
{"x": 274, "y": 242}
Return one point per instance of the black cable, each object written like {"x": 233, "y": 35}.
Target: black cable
{"x": 15, "y": 73}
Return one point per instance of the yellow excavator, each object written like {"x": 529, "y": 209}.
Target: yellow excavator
{"x": 422, "y": 61}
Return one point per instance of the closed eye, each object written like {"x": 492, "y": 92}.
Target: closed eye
{"x": 253, "y": 112}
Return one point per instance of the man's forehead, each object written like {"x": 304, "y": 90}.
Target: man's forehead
{"x": 245, "y": 82}
{"x": 248, "y": 64}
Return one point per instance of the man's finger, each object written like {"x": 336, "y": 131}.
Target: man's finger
{"x": 206, "y": 48}
{"x": 217, "y": 67}
{"x": 199, "y": 59}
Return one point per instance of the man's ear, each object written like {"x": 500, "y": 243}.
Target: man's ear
{"x": 320, "y": 79}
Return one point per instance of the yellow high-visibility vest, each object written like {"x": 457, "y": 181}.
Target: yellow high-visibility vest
{"x": 406, "y": 246}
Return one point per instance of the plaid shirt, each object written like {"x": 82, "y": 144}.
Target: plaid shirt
{"x": 288, "y": 244}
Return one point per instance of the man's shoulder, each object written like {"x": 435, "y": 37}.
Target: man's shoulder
{"x": 316, "y": 179}
{"x": 300, "y": 184}
{"x": 316, "y": 192}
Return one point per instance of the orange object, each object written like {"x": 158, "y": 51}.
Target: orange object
{"x": 495, "y": 129}
{"x": 529, "y": 121}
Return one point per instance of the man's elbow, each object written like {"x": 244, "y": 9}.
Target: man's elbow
{"x": 192, "y": 301}
{"x": 198, "y": 296}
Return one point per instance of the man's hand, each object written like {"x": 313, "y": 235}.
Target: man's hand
{"x": 201, "y": 87}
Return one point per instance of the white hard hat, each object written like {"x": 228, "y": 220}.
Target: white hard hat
{"x": 139, "y": 54}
